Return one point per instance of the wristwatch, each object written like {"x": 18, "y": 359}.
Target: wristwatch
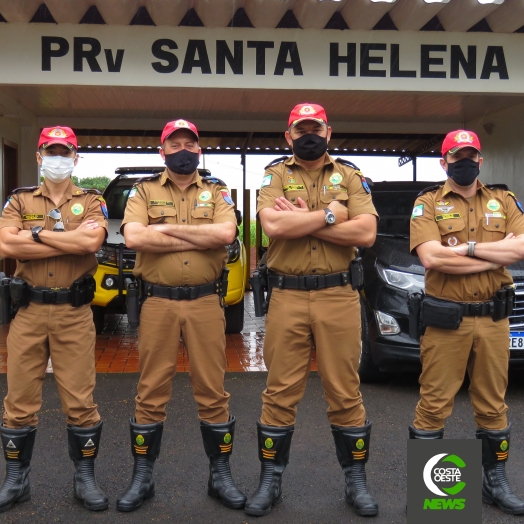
{"x": 330, "y": 217}
{"x": 34, "y": 231}
{"x": 471, "y": 249}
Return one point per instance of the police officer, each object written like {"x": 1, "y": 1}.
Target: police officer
{"x": 465, "y": 233}
{"x": 315, "y": 210}
{"x": 54, "y": 231}
{"x": 179, "y": 223}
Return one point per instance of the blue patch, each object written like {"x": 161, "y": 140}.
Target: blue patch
{"x": 365, "y": 185}
{"x": 103, "y": 206}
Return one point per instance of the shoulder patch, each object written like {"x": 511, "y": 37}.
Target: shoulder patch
{"x": 210, "y": 179}
{"x": 430, "y": 189}
{"x": 277, "y": 161}
{"x": 103, "y": 206}
{"x": 149, "y": 178}
{"x": 504, "y": 187}
{"x": 518, "y": 204}
{"x": 347, "y": 163}
{"x": 25, "y": 189}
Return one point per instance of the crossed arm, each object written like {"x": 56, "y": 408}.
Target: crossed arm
{"x": 286, "y": 221}
{"x": 168, "y": 238}
{"x": 19, "y": 244}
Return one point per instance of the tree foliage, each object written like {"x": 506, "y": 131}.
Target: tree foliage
{"x": 97, "y": 182}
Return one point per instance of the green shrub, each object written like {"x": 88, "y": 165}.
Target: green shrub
{"x": 252, "y": 233}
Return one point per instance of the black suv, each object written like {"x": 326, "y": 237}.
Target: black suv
{"x": 391, "y": 273}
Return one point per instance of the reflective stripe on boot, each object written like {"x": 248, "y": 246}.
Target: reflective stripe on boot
{"x": 274, "y": 444}
{"x": 352, "y": 445}
{"x": 495, "y": 485}
{"x": 83, "y": 450}
{"x": 218, "y": 443}
{"x": 145, "y": 447}
{"x": 18, "y": 450}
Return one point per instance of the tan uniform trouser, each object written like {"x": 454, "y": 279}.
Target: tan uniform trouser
{"x": 479, "y": 346}
{"x": 202, "y": 325}
{"x": 67, "y": 335}
{"x": 297, "y": 320}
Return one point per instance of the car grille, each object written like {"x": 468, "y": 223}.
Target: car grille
{"x": 516, "y": 319}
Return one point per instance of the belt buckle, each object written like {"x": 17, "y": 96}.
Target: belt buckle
{"x": 184, "y": 293}
{"x": 310, "y": 282}
{"x": 475, "y": 310}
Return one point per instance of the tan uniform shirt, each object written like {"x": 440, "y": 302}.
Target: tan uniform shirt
{"x": 445, "y": 216}
{"x": 335, "y": 181}
{"x": 27, "y": 209}
{"x": 159, "y": 200}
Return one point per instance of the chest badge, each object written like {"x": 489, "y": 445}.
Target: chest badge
{"x": 453, "y": 241}
{"x": 493, "y": 205}
{"x": 335, "y": 178}
{"x": 77, "y": 209}
{"x": 291, "y": 180}
{"x": 204, "y": 196}
{"x": 445, "y": 209}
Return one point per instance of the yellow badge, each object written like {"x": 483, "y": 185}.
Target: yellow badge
{"x": 493, "y": 205}
{"x": 204, "y": 196}
{"x": 32, "y": 217}
{"x": 294, "y": 187}
{"x": 77, "y": 209}
{"x": 335, "y": 178}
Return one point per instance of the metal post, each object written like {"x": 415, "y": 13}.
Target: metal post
{"x": 247, "y": 229}
{"x": 258, "y": 234}
{"x": 414, "y": 160}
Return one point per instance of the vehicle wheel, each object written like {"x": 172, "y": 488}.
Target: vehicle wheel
{"x": 99, "y": 314}
{"x": 235, "y": 318}
{"x": 367, "y": 370}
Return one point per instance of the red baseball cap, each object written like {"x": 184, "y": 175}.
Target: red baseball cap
{"x": 57, "y": 135}
{"x": 307, "y": 112}
{"x": 459, "y": 139}
{"x": 175, "y": 125}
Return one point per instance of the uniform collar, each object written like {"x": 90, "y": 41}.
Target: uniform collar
{"x": 196, "y": 180}
{"x": 448, "y": 189}
{"x": 70, "y": 190}
{"x": 292, "y": 160}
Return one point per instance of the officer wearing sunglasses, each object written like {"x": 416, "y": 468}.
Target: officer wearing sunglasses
{"x": 52, "y": 287}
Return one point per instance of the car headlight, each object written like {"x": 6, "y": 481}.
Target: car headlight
{"x": 233, "y": 251}
{"x": 401, "y": 280}
{"x": 106, "y": 255}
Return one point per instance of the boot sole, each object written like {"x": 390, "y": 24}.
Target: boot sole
{"x": 230, "y": 505}
{"x": 22, "y": 498}
{"x": 128, "y": 509}
{"x": 491, "y": 502}
{"x": 95, "y": 507}
{"x": 366, "y": 513}
{"x": 260, "y": 512}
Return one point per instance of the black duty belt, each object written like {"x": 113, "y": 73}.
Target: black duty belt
{"x": 181, "y": 293}
{"x": 50, "y": 295}
{"x": 476, "y": 309}
{"x": 308, "y": 282}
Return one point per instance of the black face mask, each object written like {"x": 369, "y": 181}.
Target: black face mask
{"x": 464, "y": 171}
{"x": 310, "y": 147}
{"x": 183, "y": 162}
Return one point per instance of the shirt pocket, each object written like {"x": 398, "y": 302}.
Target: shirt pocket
{"x": 330, "y": 195}
{"x": 161, "y": 215}
{"x": 452, "y": 231}
{"x": 493, "y": 229}
{"x": 292, "y": 195}
{"x": 203, "y": 214}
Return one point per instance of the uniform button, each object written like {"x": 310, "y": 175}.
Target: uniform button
{"x": 183, "y": 200}
{"x": 161, "y": 212}
{"x": 314, "y": 185}
{"x": 333, "y": 196}
{"x": 472, "y": 229}
{"x": 314, "y": 270}
{"x": 471, "y": 209}
{"x": 314, "y": 248}
{"x": 205, "y": 214}
{"x": 51, "y": 274}
{"x": 292, "y": 200}
{"x": 496, "y": 225}
{"x": 449, "y": 227}
{"x": 475, "y": 294}
{"x": 183, "y": 220}
{"x": 185, "y": 262}
{"x": 312, "y": 205}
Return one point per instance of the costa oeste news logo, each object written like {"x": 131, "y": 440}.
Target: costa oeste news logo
{"x": 444, "y": 480}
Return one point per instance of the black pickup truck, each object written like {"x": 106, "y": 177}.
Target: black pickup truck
{"x": 390, "y": 273}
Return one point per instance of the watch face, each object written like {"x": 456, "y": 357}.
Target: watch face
{"x": 330, "y": 218}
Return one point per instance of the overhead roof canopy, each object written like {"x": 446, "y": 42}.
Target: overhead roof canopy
{"x": 500, "y": 16}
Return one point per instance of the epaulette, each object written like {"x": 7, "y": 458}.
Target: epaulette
{"x": 347, "y": 163}
{"x": 210, "y": 179}
{"x": 85, "y": 190}
{"x": 277, "y": 161}
{"x": 498, "y": 186}
{"x": 24, "y": 189}
{"x": 430, "y": 189}
{"x": 147, "y": 178}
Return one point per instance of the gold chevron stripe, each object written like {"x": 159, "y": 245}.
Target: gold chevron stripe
{"x": 226, "y": 448}
{"x": 12, "y": 454}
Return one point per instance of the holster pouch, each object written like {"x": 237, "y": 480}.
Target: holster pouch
{"x": 133, "y": 302}
{"x": 6, "y": 311}
{"x": 503, "y": 302}
{"x": 223, "y": 284}
{"x": 19, "y": 291}
{"x": 442, "y": 314}
{"x": 258, "y": 282}
{"x": 83, "y": 291}
{"x": 356, "y": 270}
{"x": 510, "y": 300}
{"x": 414, "y": 307}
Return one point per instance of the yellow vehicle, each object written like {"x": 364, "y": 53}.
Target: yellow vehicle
{"x": 116, "y": 261}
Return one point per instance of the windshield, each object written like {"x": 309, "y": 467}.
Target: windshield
{"x": 116, "y": 198}
{"x": 394, "y": 209}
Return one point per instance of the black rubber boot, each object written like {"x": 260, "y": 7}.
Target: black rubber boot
{"x": 145, "y": 447}
{"x": 274, "y": 443}
{"x": 420, "y": 434}
{"x": 352, "y": 445}
{"x": 496, "y": 490}
{"x": 18, "y": 450}
{"x": 218, "y": 443}
{"x": 83, "y": 450}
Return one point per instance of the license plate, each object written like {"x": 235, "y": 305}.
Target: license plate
{"x": 516, "y": 340}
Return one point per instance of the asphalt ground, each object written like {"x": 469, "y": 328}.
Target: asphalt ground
{"x": 313, "y": 482}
